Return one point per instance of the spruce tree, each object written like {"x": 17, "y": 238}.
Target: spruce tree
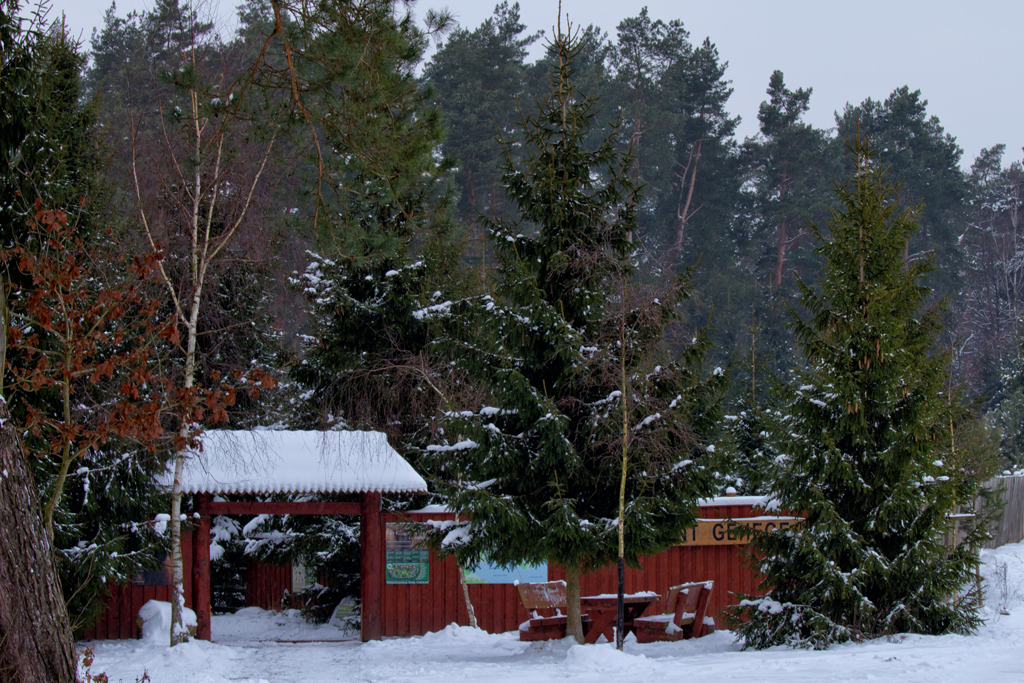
{"x": 867, "y": 447}
{"x": 534, "y": 474}
{"x": 391, "y": 251}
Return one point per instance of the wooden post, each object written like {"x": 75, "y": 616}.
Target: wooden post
{"x": 201, "y": 566}
{"x": 371, "y": 569}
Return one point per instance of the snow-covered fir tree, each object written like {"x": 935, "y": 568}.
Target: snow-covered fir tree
{"x": 368, "y": 367}
{"x": 867, "y": 445}
{"x": 534, "y": 473}
{"x": 749, "y": 461}
{"x": 387, "y": 248}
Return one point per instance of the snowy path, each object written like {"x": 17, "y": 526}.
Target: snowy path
{"x": 246, "y": 653}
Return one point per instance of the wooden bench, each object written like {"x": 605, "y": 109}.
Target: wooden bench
{"x": 685, "y": 615}
{"x": 545, "y": 602}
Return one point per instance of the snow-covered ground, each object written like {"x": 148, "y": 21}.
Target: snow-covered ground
{"x": 248, "y": 648}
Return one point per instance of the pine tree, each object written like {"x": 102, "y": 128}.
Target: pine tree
{"x": 787, "y": 161}
{"x": 536, "y": 470}
{"x": 925, "y": 159}
{"x": 987, "y": 318}
{"x": 644, "y": 55}
{"x": 1008, "y": 415}
{"x": 705, "y": 180}
{"x": 35, "y": 637}
{"x": 868, "y": 446}
{"x": 475, "y": 78}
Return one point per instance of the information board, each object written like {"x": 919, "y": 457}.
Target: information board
{"x": 406, "y": 557}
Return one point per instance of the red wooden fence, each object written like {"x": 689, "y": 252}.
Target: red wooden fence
{"x": 722, "y": 564}
{"x": 265, "y": 585}
{"x": 125, "y": 600}
{"x": 415, "y": 609}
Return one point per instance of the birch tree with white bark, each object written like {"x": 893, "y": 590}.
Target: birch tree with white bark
{"x": 197, "y": 158}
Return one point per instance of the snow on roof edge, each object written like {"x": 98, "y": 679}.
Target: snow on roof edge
{"x": 757, "y": 501}
{"x": 296, "y": 462}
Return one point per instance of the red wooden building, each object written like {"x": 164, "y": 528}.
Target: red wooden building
{"x": 710, "y": 551}
{"x": 264, "y": 462}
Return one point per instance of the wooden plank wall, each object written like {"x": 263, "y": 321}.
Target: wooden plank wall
{"x": 417, "y": 609}
{"x": 265, "y": 585}
{"x": 125, "y": 600}
{"x": 723, "y": 564}
{"x": 1010, "y": 528}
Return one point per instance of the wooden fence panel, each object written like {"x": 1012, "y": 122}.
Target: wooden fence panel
{"x": 265, "y": 585}
{"x": 122, "y": 605}
{"x": 1008, "y": 527}
{"x": 723, "y": 564}
{"x": 438, "y": 584}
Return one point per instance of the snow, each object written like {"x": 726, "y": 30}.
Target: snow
{"x": 160, "y": 523}
{"x": 460, "y": 446}
{"x": 437, "y": 310}
{"x": 269, "y": 461}
{"x": 250, "y": 647}
{"x": 460, "y": 535}
{"x": 648, "y": 420}
{"x": 156, "y": 622}
{"x": 756, "y": 501}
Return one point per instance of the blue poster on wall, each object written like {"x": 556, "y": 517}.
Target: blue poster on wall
{"x": 490, "y": 573}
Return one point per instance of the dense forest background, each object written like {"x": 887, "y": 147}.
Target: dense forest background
{"x": 313, "y": 185}
{"x": 736, "y": 211}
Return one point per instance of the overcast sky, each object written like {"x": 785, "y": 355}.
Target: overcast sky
{"x": 963, "y": 55}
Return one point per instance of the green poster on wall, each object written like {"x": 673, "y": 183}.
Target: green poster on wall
{"x": 406, "y": 558}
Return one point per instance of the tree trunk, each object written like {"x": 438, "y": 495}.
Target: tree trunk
{"x": 780, "y": 255}
{"x": 36, "y": 645}
{"x": 683, "y": 210}
{"x": 179, "y": 632}
{"x": 465, "y": 596}
{"x": 574, "y": 623}
{"x": 465, "y": 592}
{"x": 620, "y": 605}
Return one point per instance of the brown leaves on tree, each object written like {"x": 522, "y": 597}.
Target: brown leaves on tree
{"x": 83, "y": 340}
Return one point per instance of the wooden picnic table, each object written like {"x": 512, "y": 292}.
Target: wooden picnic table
{"x": 601, "y": 609}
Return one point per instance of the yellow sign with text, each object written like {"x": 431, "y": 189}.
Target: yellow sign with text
{"x": 732, "y": 531}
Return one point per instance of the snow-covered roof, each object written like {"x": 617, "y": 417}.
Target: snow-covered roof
{"x": 756, "y": 501}
{"x": 271, "y": 461}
